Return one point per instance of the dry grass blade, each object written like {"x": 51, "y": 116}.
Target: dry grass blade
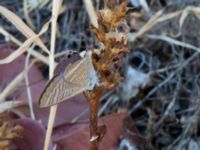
{"x": 33, "y": 4}
{"x": 24, "y": 46}
{"x": 184, "y": 13}
{"x": 56, "y": 9}
{"x": 33, "y": 52}
{"x": 22, "y": 27}
{"x": 173, "y": 41}
{"x": 187, "y": 10}
{"x": 196, "y": 11}
{"x": 91, "y": 12}
{"x": 145, "y": 5}
{"x": 13, "y": 85}
{"x": 183, "y": 17}
{"x": 5, "y": 106}
{"x": 26, "y": 14}
{"x": 9, "y": 37}
{"x": 55, "y": 12}
{"x": 158, "y": 18}
{"x": 169, "y": 16}
{"x": 18, "y": 52}
{"x": 39, "y": 56}
{"x": 28, "y": 89}
{"x": 146, "y": 27}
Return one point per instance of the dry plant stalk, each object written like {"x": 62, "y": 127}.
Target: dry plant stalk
{"x": 22, "y": 27}
{"x": 28, "y": 90}
{"x": 91, "y": 12}
{"x": 161, "y": 17}
{"x": 26, "y": 14}
{"x": 107, "y": 63}
{"x": 36, "y": 54}
{"x": 7, "y": 105}
{"x": 53, "y": 109}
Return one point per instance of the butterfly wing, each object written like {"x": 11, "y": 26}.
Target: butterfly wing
{"x": 58, "y": 90}
{"x": 82, "y": 72}
{"x": 78, "y": 77}
{"x": 76, "y": 72}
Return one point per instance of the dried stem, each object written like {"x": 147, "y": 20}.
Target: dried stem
{"x": 91, "y": 12}
{"x": 30, "y": 100}
{"x": 33, "y": 52}
{"x": 53, "y": 109}
{"x": 52, "y": 114}
{"x": 108, "y": 20}
{"x": 94, "y": 124}
{"x": 94, "y": 99}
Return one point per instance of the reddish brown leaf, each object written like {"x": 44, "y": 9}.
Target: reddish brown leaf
{"x": 9, "y": 71}
{"x": 66, "y": 112}
{"x": 77, "y": 136}
{"x": 32, "y": 137}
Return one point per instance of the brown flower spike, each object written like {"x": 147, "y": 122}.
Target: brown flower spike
{"x": 108, "y": 61}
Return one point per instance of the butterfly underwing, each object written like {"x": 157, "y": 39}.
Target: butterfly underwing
{"x": 76, "y": 78}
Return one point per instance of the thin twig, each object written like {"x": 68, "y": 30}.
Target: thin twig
{"x": 75, "y": 119}
{"x": 182, "y": 65}
{"x": 173, "y": 41}
{"x": 171, "y": 104}
{"x": 109, "y": 100}
{"x": 28, "y": 90}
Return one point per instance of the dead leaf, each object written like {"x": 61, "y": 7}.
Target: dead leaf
{"x": 32, "y": 137}
{"x": 76, "y": 136}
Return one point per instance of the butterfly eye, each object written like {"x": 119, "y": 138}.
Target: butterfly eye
{"x": 69, "y": 56}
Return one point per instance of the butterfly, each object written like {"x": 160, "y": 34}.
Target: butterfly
{"x": 75, "y": 79}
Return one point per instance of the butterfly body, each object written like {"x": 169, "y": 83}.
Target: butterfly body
{"x": 76, "y": 78}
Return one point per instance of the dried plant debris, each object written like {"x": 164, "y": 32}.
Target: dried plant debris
{"x": 8, "y": 132}
{"x": 165, "y": 111}
{"x": 114, "y": 44}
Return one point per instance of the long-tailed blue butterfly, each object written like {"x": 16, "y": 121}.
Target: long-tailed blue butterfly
{"x": 76, "y": 78}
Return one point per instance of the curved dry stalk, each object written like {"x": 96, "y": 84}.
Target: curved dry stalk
{"x": 53, "y": 109}
{"x": 36, "y": 54}
{"x": 30, "y": 100}
{"x": 173, "y": 41}
{"x": 22, "y": 27}
{"x": 24, "y": 46}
